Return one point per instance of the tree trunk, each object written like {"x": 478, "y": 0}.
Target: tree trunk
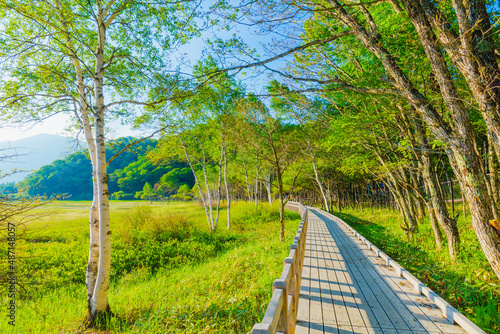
{"x": 257, "y": 192}
{"x": 438, "y": 237}
{"x": 493, "y": 177}
{"x": 99, "y": 305}
{"x": 218, "y": 189}
{"x": 472, "y": 51}
{"x": 84, "y": 118}
{"x": 436, "y": 200}
{"x": 320, "y": 184}
{"x": 207, "y": 185}
{"x": 227, "y": 190}
{"x": 462, "y": 148}
{"x": 282, "y": 203}
{"x": 267, "y": 184}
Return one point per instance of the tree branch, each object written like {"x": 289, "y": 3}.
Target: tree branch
{"x": 284, "y": 54}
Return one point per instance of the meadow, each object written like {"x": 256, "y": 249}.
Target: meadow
{"x": 469, "y": 283}
{"x": 169, "y": 273}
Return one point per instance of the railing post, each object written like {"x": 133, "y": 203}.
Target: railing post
{"x": 283, "y": 319}
{"x": 292, "y": 291}
{"x": 298, "y": 264}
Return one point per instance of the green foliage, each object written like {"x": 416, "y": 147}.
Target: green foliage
{"x": 8, "y": 188}
{"x": 184, "y": 193}
{"x": 139, "y": 35}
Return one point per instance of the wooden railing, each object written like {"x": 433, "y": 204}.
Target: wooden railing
{"x": 281, "y": 314}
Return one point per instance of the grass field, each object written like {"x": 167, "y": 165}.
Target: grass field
{"x": 169, "y": 274}
{"x": 469, "y": 283}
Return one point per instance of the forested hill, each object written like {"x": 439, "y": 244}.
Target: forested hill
{"x": 129, "y": 174}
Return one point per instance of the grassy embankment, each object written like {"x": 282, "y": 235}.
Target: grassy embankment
{"x": 469, "y": 284}
{"x": 170, "y": 275}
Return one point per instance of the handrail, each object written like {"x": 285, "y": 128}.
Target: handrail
{"x": 281, "y": 314}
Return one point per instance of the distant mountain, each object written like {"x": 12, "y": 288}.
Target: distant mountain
{"x": 31, "y": 153}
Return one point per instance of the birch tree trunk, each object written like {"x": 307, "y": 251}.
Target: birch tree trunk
{"x": 209, "y": 197}
{"x": 267, "y": 184}
{"x": 216, "y": 223}
{"x": 317, "y": 179}
{"x": 99, "y": 305}
{"x": 92, "y": 264}
{"x": 227, "y": 188}
{"x": 256, "y": 180}
{"x": 84, "y": 119}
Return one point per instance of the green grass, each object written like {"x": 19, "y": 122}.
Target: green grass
{"x": 170, "y": 275}
{"x": 469, "y": 284}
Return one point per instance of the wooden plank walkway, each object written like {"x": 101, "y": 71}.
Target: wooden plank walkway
{"x": 347, "y": 288}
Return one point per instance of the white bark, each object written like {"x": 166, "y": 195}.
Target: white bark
{"x": 267, "y": 184}
{"x": 218, "y": 190}
{"x": 227, "y": 189}
{"x": 256, "y": 180}
{"x": 99, "y": 301}
{"x": 317, "y": 179}
{"x": 249, "y": 194}
{"x": 209, "y": 196}
{"x": 84, "y": 118}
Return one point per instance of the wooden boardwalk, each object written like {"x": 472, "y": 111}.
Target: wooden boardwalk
{"x": 347, "y": 288}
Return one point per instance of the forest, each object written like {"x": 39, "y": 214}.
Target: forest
{"x": 349, "y": 106}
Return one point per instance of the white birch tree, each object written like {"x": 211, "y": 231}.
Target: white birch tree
{"x": 96, "y": 59}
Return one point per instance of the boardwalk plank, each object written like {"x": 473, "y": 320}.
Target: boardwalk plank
{"x": 349, "y": 295}
{"x": 369, "y": 303}
{"x": 332, "y": 269}
{"x": 329, "y": 317}
{"x": 316, "y": 313}
{"x": 416, "y": 318}
{"x": 376, "y": 309}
